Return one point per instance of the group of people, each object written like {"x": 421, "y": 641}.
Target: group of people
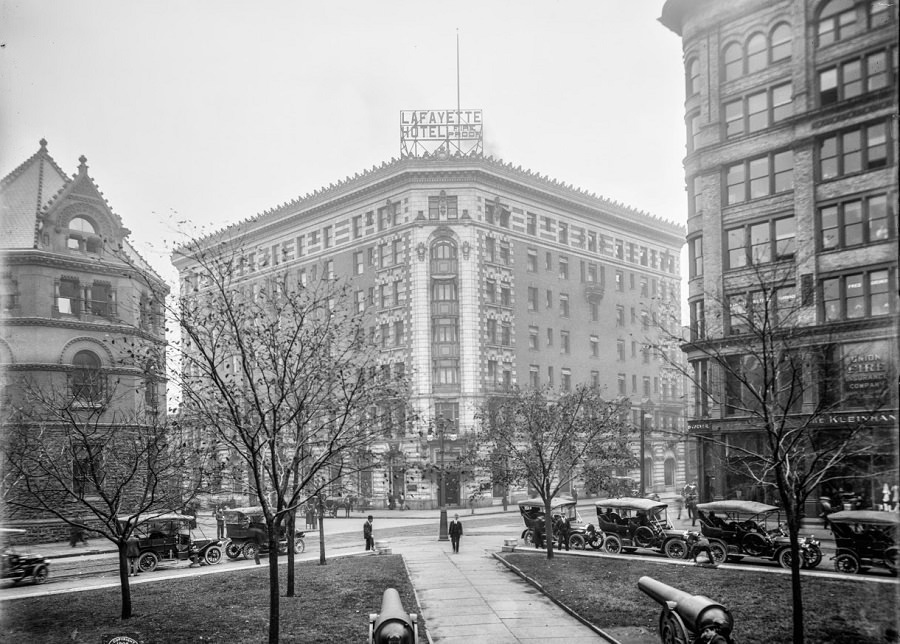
{"x": 562, "y": 530}
{"x": 688, "y": 500}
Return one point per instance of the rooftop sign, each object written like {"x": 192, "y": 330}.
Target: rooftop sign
{"x": 426, "y": 133}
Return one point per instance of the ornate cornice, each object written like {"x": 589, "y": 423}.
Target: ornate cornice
{"x": 72, "y": 325}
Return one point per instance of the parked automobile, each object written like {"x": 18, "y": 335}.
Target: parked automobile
{"x": 629, "y": 523}
{"x": 865, "y": 539}
{"x": 738, "y": 529}
{"x": 16, "y": 565}
{"x": 581, "y": 535}
{"x": 167, "y": 537}
{"x": 238, "y": 523}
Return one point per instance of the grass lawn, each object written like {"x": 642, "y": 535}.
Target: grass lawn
{"x": 332, "y": 605}
{"x": 604, "y": 591}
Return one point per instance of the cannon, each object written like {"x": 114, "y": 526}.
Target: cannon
{"x": 393, "y": 625}
{"x": 684, "y": 617}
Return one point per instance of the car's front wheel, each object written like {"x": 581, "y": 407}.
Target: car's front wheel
{"x": 785, "y": 558}
{"x": 675, "y": 549}
{"x": 233, "y": 550}
{"x": 40, "y": 574}
{"x": 846, "y": 563}
{"x": 213, "y": 555}
{"x": 299, "y": 546}
{"x": 719, "y": 552}
{"x": 813, "y": 556}
{"x": 147, "y": 562}
{"x": 576, "y": 541}
{"x": 528, "y": 537}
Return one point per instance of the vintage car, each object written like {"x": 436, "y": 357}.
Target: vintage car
{"x": 864, "y": 539}
{"x": 582, "y": 535}
{"x": 239, "y": 521}
{"x": 167, "y": 537}
{"x": 629, "y": 523}
{"x": 17, "y": 566}
{"x": 738, "y": 529}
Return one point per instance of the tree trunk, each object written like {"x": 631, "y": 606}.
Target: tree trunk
{"x": 124, "y": 582}
{"x": 321, "y": 531}
{"x": 274, "y": 613}
{"x": 548, "y": 530}
{"x": 796, "y": 561}
{"x": 291, "y": 522}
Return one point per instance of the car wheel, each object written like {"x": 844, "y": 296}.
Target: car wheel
{"x": 213, "y": 555}
{"x": 812, "y": 557}
{"x": 675, "y": 549}
{"x": 754, "y": 544}
{"x": 719, "y": 552}
{"x": 147, "y": 562}
{"x": 613, "y": 544}
{"x": 785, "y": 558}
{"x": 40, "y": 574}
{"x": 233, "y": 550}
{"x": 643, "y": 536}
{"x": 528, "y": 537}
{"x": 249, "y": 550}
{"x": 576, "y": 541}
{"x": 846, "y": 563}
{"x": 299, "y": 546}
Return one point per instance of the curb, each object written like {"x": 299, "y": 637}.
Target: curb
{"x": 607, "y": 637}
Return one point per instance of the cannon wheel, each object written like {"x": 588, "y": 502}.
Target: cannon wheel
{"x": 675, "y": 549}
{"x": 613, "y": 544}
{"x": 719, "y": 551}
{"x": 40, "y": 574}
{"x": 671, "y": 629}
{"x": 784, "y": 558}
{"x": 147, "y": 562}
{"x": 249, "y": 550}
{"x": 233, "y": 550}
{"x": 846, "y": 563}
{"x": 213, "y": 555}
{"x": 299, "y": 545}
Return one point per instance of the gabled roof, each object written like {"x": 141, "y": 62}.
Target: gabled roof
{"x": 24, "y": 193}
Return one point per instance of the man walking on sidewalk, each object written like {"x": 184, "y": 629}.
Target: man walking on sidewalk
{"x": 456, "y": 531}
{"x": 367, "y": 533}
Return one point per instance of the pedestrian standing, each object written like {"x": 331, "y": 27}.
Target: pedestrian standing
{"x": 258, "y": 537}
{"x": 76, "y": 534}
{"x": 313, "y": 516}
{"x": 538, "y": 532}
{"x": 565, "y": 530}
{"x": 689, "y": 492}
{"x": 220, "y": 522}
{"x": 132, "y": 553}
{"x": 456, "y": 531}
{"x": 679, "y": 503}
{"x": 367, "y": 533}
{"x": 348, "y": 507}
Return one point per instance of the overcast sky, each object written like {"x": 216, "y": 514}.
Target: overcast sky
{"x": 215, "y": 111}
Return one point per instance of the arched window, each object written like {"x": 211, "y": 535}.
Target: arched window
{"x": 669, "y": 472}
{"x": 732, "y": 57}
{"x": 693, "y": 77}
{"x": 86, "y": 378}
{"x": 82, "y": 225}
{"x": 837, "y": 20}
{"x": 443, "y": 257}
{"x": 780, "y": 43}
{"x": 756, "y": 53}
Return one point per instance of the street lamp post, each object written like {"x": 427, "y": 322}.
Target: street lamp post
{"x": 645, "y": 405}
{"x": 442, "y": 528}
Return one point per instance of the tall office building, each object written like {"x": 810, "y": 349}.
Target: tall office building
{"x": 791, "y": 116}
{"x": 479, "y": 277}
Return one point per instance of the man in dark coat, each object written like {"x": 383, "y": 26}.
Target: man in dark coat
{"x": 456, "y": 531}
{"x": 565, "y": 529}
{"x": 133, "y": 553}
{"x": 367, "y": 533}
{"x": 257, "y": 536}
{"x": 539, "y": 532}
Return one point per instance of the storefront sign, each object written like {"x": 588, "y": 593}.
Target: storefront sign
{"x": 866, "y": 370}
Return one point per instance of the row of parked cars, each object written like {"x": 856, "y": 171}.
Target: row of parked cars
{"x": 735, "y": 529}
{"x": 162, "y": 537}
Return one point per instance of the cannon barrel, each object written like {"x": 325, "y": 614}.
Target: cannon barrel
{"x": 393, "y": 625}
{"x": 696, "y": 611}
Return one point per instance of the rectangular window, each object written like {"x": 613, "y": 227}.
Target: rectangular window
{"x": 490, "y": 249}
{"x": 595, "y": 346}
{"x": 759, "y": 243}
{"x": 398, "y": 333}
{"x": 858, "y": 150}
{"x": 855, "y": 76}
{"x": 563, "y": 268}
{"x": 564, "y": 342}
{"x": 505, "y": 297}
{"x": 621, "y": 386}
{"x": 592, "y": 241}
{"x": 620, "y": 281}
{"x": 358, "y": 263}
{"x": 566, "y": 379}
{"x": 697, "y": 320}
{"x": 505, "y": 334}
{"x": 695, "y": 252}
{"x": 533, "y": 338}
{"x": 549, "y": 337}
{"x": 759, "y": 177}
{"x": 855, "y": 222}
{"x": 534, "y": 379}
{"x": 531, "y": 223}
{"x": 620, "y": 350}
{"x": 504, "y": 253}
{"x": 563, "y": 233}
{"x": 620, "y": 315}
{"x": 757, "y": 111}
{"x": 532, "y": 298}
{"x": 68, "y": 296}
{"x": 492, "y": 331}
{"x": 531, "y": 261}
{"x": 548, "y": 262}
{"x": 564, "y": 305}
{"x": 595, "y": 311}
{"x": 357, "y": 226}
{"x": 856, "y": 296}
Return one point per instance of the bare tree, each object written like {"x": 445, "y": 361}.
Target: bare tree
{"x": 281, "y": 375}
{"x": 89, "y": 458}
{"x": 765, "y": 365}
{"x": 548, "y": 439}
